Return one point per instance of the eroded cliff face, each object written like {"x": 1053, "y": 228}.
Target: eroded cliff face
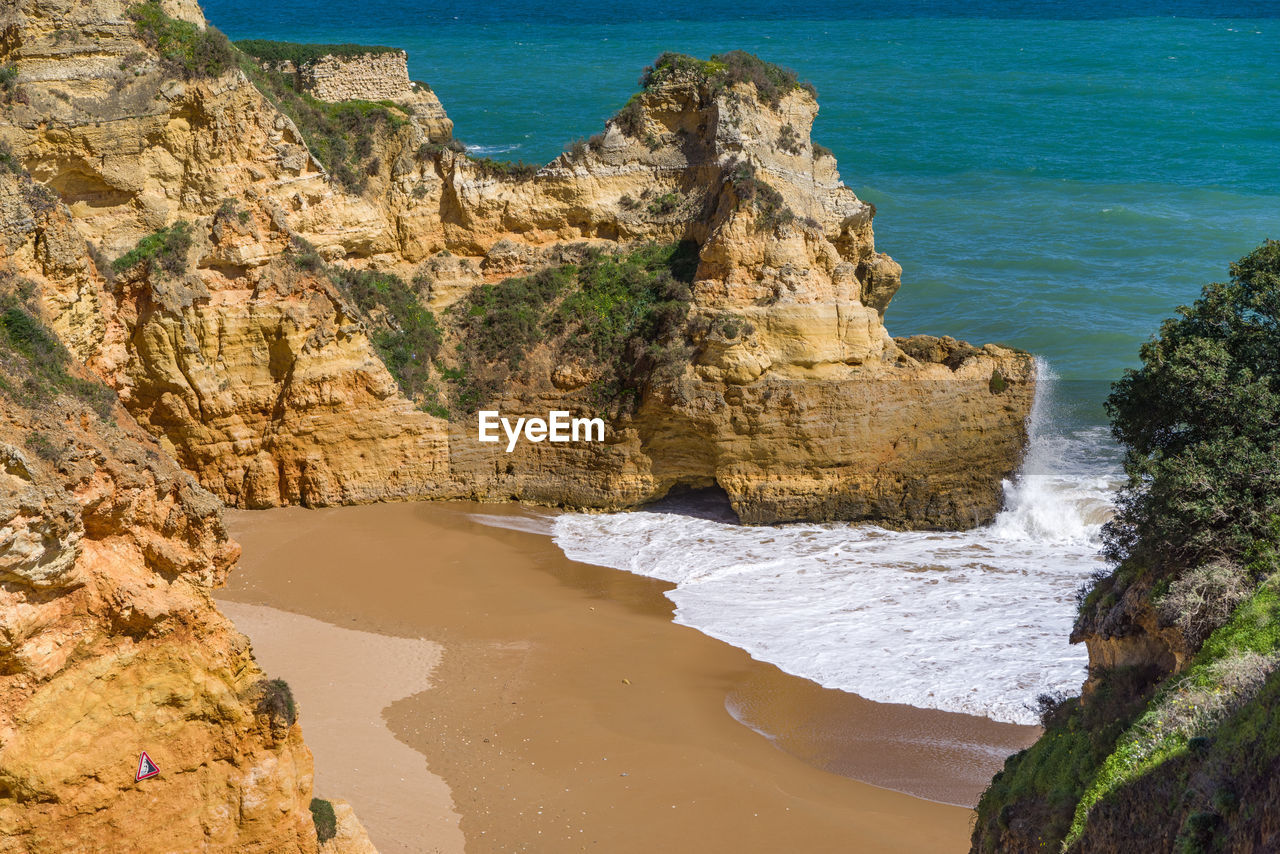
{"x": 262, "y": 379}
{"x": 109, "y": 641}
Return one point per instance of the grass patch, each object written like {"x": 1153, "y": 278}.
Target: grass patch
{"x": 620, "y": 314}
{"x": 409, "y": 339}
{"x": 165, "y": 251}
{"x": 1040, "y": 786}
{"x": 186, "y": 48}
{"x": 1228, "y": 669}
{"x": 34, "y": 364}
{"x": 325, "y": 821}
{"x": 342, "y": 136}
{"x": 267, "y": 50}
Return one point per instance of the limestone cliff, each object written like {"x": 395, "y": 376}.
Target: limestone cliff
{"x": 109, "y": 641}
{"x": 265, "y": 381}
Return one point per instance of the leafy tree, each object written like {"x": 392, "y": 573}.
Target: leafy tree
{"x": 1200, "y": 423}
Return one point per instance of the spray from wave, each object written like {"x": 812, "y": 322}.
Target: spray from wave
{"x": 974, "y": 621}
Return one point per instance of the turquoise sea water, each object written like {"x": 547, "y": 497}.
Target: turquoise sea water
{"x": 1048, "y": 177}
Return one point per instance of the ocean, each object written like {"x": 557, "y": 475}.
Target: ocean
{"x": 1053, "y": 176}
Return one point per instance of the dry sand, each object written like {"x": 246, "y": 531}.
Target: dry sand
{"x": 568, "y": 712}
{"x": 342, "y": 680}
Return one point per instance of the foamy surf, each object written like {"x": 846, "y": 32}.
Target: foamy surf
{"x": 972, "y": 622}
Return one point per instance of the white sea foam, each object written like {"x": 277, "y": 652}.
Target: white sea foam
{"x": 486, "y": 150}
{"x": 530, "y": 523}
{"x": 972, "y": 622}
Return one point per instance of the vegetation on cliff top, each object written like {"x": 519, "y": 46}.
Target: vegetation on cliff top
{"x": 1199, "y": 424}
{"x": 1197, "y": 532}
{"x": 726, "y": 70}
{"x": 615, "y": 316}
{"x": 193, "y": 52}
{"x": 721, "y": 72}
{"x": 302, "y": 54}
{"x": 342, "y": 135}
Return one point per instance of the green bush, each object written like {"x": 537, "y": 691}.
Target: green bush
{"x": 303, "y": 54}
{"x": 43, "y": 447}
{"x": 34, "y": 364}
{"x": 165, "y": 250}
{"x": 325, "y": 821}
{"x": 772, "y": 211}
{"x": 409, "y": 338}
{"x": 725, "y": 70}
{"x": 1200, "y": 424}
{"x": 789, "y": 140}
{"x": 630, "y": 119}
{"x": 8, "y": 81}
{"x": 665, "y": 205}
{"x": 621, "y": 314}
{"x": 184, "y": 46}
{"x": 342, "y": 136}
{"x": 517, "y": 169}
{"x": 276, "y": 701}
{"x": 9, "y": 161}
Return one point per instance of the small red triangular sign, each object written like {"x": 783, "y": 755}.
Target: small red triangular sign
{"x": 146, "y": 768}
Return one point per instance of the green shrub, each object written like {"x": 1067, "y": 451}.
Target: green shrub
{"x": 789, "y": 141}
{"x": 409, "y": 338}
{"x": 771, "y": 209}
{"x": 341, "y": 135}
{"x": 266, "y": 50}
{"x": 622, "y": 314}
{"x": 36, "y": 363}
{"x": 184, "y": 46}
{"x": 821, "y": 151}
{"x": 9, "y": 161}
{"x": 165, "y": 250}
{"x": 276, "y": 701}
{"x": 1200, "y": 423}
{"x": 40, "y": 444}
{"x": 725, "y": 70}
{"x": 630, "y": 119}
{"x": 517, "y": 169}
{"x": 665, "y": 205}
{"x": 8, "y": 82}
{"x": 325, "y": 821}
{"x": 429, "y": 149}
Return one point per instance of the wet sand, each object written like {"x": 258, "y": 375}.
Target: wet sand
{"x": 568, "y": 712}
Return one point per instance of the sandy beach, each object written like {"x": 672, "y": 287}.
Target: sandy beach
{"x": 563, "y": 708}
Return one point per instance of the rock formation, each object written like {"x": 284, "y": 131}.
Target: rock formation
{"x": 194, "y": 229}
{"x": 262, "y": 380}
{"x": 109, "y": 641}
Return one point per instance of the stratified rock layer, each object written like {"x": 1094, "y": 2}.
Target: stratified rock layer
{"x": 109, "y": 641}
{"x": 260, "y": 379}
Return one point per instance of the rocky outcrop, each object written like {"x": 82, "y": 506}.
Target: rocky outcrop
{"x": 262, "y": 380}
{"x": 109, "y": 641}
